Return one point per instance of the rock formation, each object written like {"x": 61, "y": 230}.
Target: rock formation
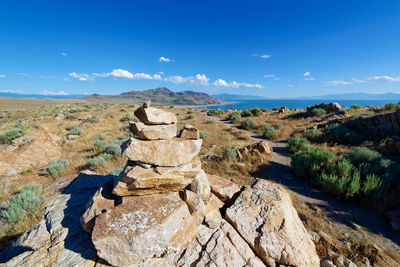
{"x": 164, "y": 210}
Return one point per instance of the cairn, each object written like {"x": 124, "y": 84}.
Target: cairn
{"x": 162, "y": 195}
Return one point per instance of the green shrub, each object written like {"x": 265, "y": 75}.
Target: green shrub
{"x": 75, "y": 110}
{"x": 215, "y": 112}
{"x": 117, "y": 171}
{"x": 391, "y": 106}
{"x": 234, "y": 116}
{"x": 113, "y": 149}
{"x": 362, "y": 155}
{"x": 270, "y": 133}
{"x": 312, "y": 134}
{"x": 96, "y": 162}
{"x": 70, "y": 116}
{"x": 251, "y": 112}
{"x": 336, "y": 133}
{"x": 231, "y": 153}
{"x": 56, "y": 167}
{"x": 278, "y": 125}
{"x": 355, "y": 106}
{"x": 211, "y": 121}
{"x": 248, "y": 124}
{"x": 101, "y": 136}
{"x": 74, "y": 130}
{"x": 188, "y": 117}
{"x": 204, "y": 134}
{"x": 92, "y": 119}
{"x": 371, "y": 182}
{"x": 108, "y": 115}
{"x": 36, "y": 126}
{"x": 318, "y": 112}
{"x": 27, "y": 202}
{"x": 128, "y": 117}
{"x": 100, "y": 145}
{"x": 10, "y": 135}
{"x": 26, "y": 141}
{"x": 298, "y": 143}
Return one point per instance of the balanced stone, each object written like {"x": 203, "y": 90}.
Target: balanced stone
{"x": 189, "y": 132}
{"x": 140, "y": 181}
{"x": 172, "y": 152}
{"x": 144, "y": 229}
{"x": 155, "y": 116}
{"x": 153, "y": 132}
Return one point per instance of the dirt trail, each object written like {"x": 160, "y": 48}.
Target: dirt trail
{"x": 343, "y": 215}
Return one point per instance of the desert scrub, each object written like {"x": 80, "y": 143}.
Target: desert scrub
{"x": 318, "y": 112}
{"x": 96, "y": 162}
{"x": 93, "y": 119}
{"x": 56, "y": 167}
{"x": 231, "y": 153}
{"x": 128, "y": 117}
{"x": 248, "y": 124}
{"x": 234, "y": 116}
{"x": 70, "y": 116}
{"x": 391, "y": 106}
{"x": 297, "y": 143}
{"x": 215, "y": 112}
{"x": 211, "y": 121}
{"x": 203, "y": 134}
{"x": 25, "y": 203}
{"x": 108, "y": 115}
{"x": 101, "y": 136}
{"x": 10, "y": 135}
{"x": 113, "y": 149}
{"x": 251, "y": 112}
{"x": 100, "y": 145}
{"x": 355, "y": 106}
{"x": 75, "y": 110}
{"x": 74, "y": 130}
{"x": 312, "y": 134}
{"x": 188, "y": 117}
{"x": 117, "y": 171}
{"x": 270, "y": 133}
{"x": 26, "y": 141}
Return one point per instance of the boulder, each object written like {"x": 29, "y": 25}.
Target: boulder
{"x": 223, "y": 188}
{"x": 189, "y": 132}
{"x": 192, "y": 166}
{"x": 171, "y": 152}
{"x": 144, "y": 229}
{"x": 136, "y": 181}
{"x": 329, "y": 108}
{"x": 155, "y": 116}
{"x": 264, "y": 147}
{"x": 212, "y": 215}
{"x": 196, "y": 206}
{"x": 341, "y": 261}
{"x": 265, "y": 217}
{"x": 201, "y": 186}
{"x": 153, "y": 132}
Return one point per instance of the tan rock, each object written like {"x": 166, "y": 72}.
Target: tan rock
{"x": 264, "y": 147}
{"x": 341, "y": 261}
{"x": 217, "y": 201}
{"x": 136, "y": 181}
{"x": 201, "y": 186}
{"x": 153, "y": 132}
{"x": 6, "y": 170}
{"x": 196, "y": 206}
{"x": 171, "y": 152}
{"x": 152, "y": 115}
{"x": 192, "y": 166}
{"x": 189, "y": 132}
{"x": 223, "y": 188}
{"x": 212, "y": 215}
{"x": 144, "y": 228}
{"x": 265, "y": 217}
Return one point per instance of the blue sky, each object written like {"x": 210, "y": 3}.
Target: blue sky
{"x": 268, "y": 48}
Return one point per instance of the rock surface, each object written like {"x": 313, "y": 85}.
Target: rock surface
{"x": 155, "y": 116}
{"x": 153, "y": 132}
{"x": 264, "y": 215}
{"x": 189, "y": 132}
{"x": 171, "y": 152}
{"x": 142, "y": 228}
{"x": 223, "y": 188}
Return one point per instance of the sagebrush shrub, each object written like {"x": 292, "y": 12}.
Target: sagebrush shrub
{"x": 297, "y": 143}
{"x": 312, "y": 134}
{"x": 100, "y": 145}
{"x": 270, "y": 133}
{"x": 96, "y": 162}
{"x": 128, "y": 117}
{"x": 231, "y": 153}
{"x": 117, "y": 171}
{"x": 93, "y": 119}
{"x": 204, "y": 134}
{"x": 74, "y": 130}
{"x": 318, "y": 112}
{"x": 56, "y": 167}
{"x": 234, "y": 116}
{"x": 10, "y": 135}
{"x": 248, "y": 124}
{"x": 215, "y": 112}
{"x": 113, "y": 149}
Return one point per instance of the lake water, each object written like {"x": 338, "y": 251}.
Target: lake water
{"x": 294, "y": 103}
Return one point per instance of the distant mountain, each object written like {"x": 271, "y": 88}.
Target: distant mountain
{"x": 356, "y": 96}
{"x": 158, "y": 96}
{"x": 227, "y": 97}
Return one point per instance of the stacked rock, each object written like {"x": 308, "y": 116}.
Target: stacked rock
{"x": 162, "y": 196}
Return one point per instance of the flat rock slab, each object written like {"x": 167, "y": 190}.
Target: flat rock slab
{"x": 136, "y": 181}
{"x": 223, "y": 188}
{"x": 265, "y": 217}
{"x": 171, "y": 152}
{"x": 156, "y": 116}
{"x": 189, "y": 132}
{"x": 153, "y": 132}
{"x": 144, "y": 229}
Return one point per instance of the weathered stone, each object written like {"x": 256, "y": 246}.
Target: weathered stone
{"x": 264, "y": 147}
{"x": 223, "y": 188}
{"x": 189, "y": 132}
{"x": 341, "y": 261}
{"x": 265, "y": 217}
{"x": 171, "y": 152}
{"x": 329, "y": 108}
{"x": 218, "y": 202}
{"x": 196, "y": 206}
{"x": 192, "y": 166}
{"x": 136, "y": 181}
{"x": 212, "y": 215}
{"x": 152, "y": 115}
{"x": 153, "y": 132}
{"x": 144, "y": 228}
{"x": 146, "y": 103}
{"x": 201, "y": 186}
{"x": 327, "y": 263}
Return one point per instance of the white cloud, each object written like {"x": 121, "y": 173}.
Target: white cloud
{"x": 307, "y": 73}
{"x": 157, "y": 77}
{"x": 124, "y": 74}
{"x": 221, "y": 83}
{"x": 383, "y": 78}
{"x": 45, "y": 92}
{"x": 334, "y": 83}
{"x": 64, "y": 54}
{"x": 201, "y": 79}
{"x": 164, "y": 59}
{"x": 269, "y": 76}
{"x": 176, "y": 79}
{"x": 265, "y": 56}
{"x": 198, "y": 79}
{"x": 234, "y": 84}
{"x": 12, "y": 91}
{"x": 81, "y": 76}
{"x": 2, "y": 76}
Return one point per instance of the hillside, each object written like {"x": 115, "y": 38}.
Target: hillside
{"x": 158, "y": 96}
